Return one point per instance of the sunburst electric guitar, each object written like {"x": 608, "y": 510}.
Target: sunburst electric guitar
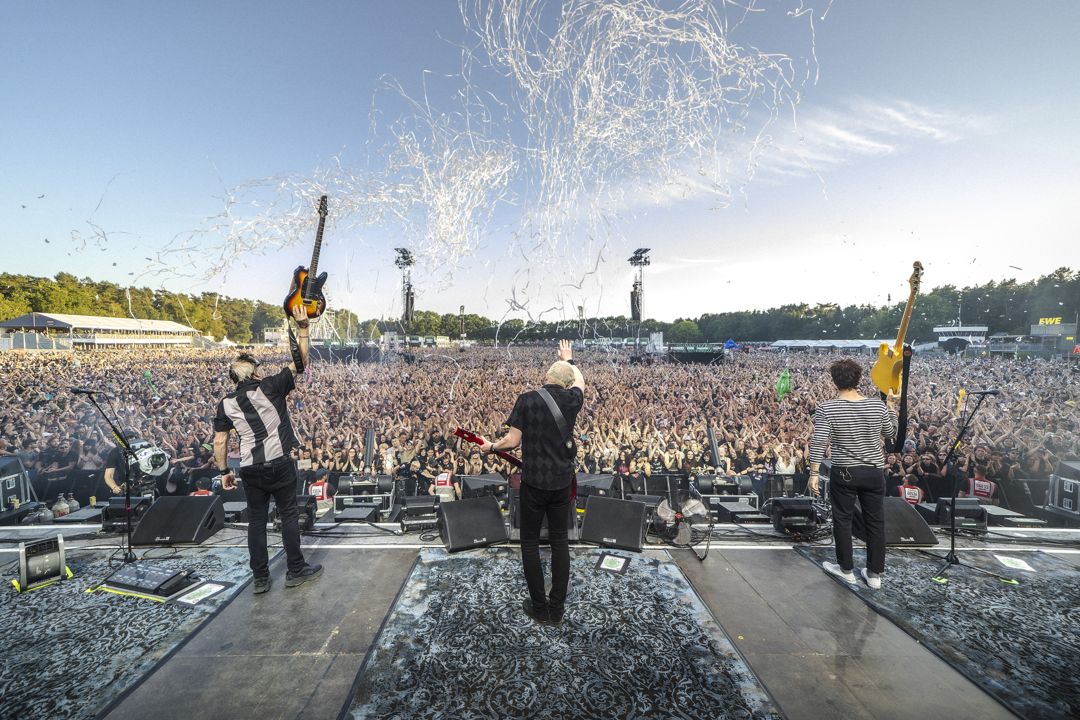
{"x": 306, "y": 289}
{"x": 888, "y": 371}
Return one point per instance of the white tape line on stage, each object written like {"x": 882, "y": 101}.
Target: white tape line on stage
{"x": 715, "y": 546}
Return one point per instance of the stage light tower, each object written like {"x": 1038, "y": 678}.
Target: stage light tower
{"x": 639, "y": 259}
{"x": 404, "y": 262}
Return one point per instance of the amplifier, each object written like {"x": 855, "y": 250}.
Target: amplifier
{"x": 114, "y": 517}
{"x": 1064, "y": 494}
{"x": 726, "y": 511}
{"x": 368, "y": 513}
{"x": 346, "y": 501}
{"x": 795, "y": 515}
{"x": 1008, "y": 518}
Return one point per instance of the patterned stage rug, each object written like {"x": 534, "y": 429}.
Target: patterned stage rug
{"x": 1020, "y": 643}
{"x": 456, "y": 644}
{"x": 69, "y": 653}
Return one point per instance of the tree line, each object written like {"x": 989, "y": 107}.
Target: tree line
{"x": 1005, "y": 306}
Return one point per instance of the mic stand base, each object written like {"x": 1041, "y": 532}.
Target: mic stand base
{"x": 951, "y": 559}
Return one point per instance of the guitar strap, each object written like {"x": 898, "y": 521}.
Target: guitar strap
{"x": 902, "y": 415}
{"x": 560, "y": 420}
{"x": 294, "y": 349}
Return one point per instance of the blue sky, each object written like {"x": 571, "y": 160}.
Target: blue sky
{"x": 945, "y": 132}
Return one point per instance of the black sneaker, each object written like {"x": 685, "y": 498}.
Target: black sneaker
{"x": 540, "y": 616}
{"x": 310, "y": 572}
{"x": 262, "y": 584}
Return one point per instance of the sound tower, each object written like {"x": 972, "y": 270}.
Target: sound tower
{"x": 471, "y": 523}
{"x": 180, "y": 520}
{"x": 614, "y": 523}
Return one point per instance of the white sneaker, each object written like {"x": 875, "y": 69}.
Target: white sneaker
{"x": 834, "y": 569}
{"x": 872, "y": 581}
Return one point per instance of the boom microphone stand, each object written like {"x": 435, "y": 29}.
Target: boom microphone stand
{"x": 128, "y": 456}
{"x": 952, "y": 558}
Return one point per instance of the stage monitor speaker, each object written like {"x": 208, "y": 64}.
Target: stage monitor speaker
{"x": 614, "y": 523}
{"x": 904, "y": 525}
{"x": 180, "y": 520}
{"x": 471, "y": 523}
{"x": 793, "y": 515}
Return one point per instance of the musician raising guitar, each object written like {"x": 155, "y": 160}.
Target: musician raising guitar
{"x": 547, "y": 478}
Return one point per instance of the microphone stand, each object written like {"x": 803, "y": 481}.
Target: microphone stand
{"x": 952, "y": 558}
{"x": 128, "y": 456}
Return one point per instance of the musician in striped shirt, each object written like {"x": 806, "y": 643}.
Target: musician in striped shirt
{"x": 852, "y": 426}
{"x": 259, "y": 414}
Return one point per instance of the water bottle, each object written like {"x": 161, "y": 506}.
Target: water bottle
{"x": 60, "y": 507}
{"x": 73, "y": 504}
{"x": 46, "y": 515}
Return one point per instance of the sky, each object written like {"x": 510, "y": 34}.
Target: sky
{"x": 939, "y": 132}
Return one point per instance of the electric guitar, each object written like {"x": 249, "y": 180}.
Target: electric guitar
{"x": 306, "y": 289}
{"x": 472, "y": 437}
{"x": 888, "y": 370}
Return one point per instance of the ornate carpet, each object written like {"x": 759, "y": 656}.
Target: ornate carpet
{"x": 71, "y": 654}
{"x": 456, "y": 644}
{"x": 1020, "y": 643}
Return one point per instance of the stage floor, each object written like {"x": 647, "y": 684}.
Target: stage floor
{"x": 818, "y": 649}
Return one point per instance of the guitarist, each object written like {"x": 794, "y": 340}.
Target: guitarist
{"x": 547, "y": 478}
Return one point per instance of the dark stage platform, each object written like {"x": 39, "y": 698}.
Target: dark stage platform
{"x": 816, "y": 648}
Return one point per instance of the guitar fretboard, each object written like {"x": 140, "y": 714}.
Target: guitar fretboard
{"x": 313, "y": 268}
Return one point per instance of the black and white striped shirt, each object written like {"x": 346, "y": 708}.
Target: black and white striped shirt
{"x": 258, "y": 412}
{"x": 853, "y": 428}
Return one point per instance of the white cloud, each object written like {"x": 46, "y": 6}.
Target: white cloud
{"x": 826, "y": 139}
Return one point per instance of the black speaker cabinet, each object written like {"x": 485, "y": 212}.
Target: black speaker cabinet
{"x": 904, "y": 525}
{"x": 180, "y": 520}
{"x": 614, "y": 523}
{"x": 471, "y": 523}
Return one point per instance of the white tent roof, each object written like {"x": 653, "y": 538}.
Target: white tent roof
{"x": 62, "y": 321}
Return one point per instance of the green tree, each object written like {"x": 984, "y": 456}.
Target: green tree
{"x": 684, "y": 331}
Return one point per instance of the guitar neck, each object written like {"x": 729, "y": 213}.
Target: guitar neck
{"x": 904, "y": 321}
{"x": 313, "y": 268}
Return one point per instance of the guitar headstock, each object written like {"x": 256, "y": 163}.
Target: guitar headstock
{"x": 322, "y": 206}
{"x": 916, "y": 276}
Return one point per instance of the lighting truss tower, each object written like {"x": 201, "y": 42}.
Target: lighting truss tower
{"x": 639, "y": 259}
{"x": 404, "y": 262}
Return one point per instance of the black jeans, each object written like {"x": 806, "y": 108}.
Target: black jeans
{"x": 275, "y": 479}
{"x": 867, "y": 484}
{"x": 535, "y": 504}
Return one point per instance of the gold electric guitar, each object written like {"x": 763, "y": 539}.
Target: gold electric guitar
{"x": 887, "y": 373}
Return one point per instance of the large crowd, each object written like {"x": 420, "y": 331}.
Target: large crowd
{"x": 638, "y": 419}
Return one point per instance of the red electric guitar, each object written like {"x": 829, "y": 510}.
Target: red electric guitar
{"x": 472, "y": 437}
{"x": 307, "y": 285}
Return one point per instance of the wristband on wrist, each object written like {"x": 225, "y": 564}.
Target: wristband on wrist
{"x": 571, "y": 361}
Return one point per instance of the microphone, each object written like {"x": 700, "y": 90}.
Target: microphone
{"x": 85, "y": 391}
{"x": 991, "y": 391}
